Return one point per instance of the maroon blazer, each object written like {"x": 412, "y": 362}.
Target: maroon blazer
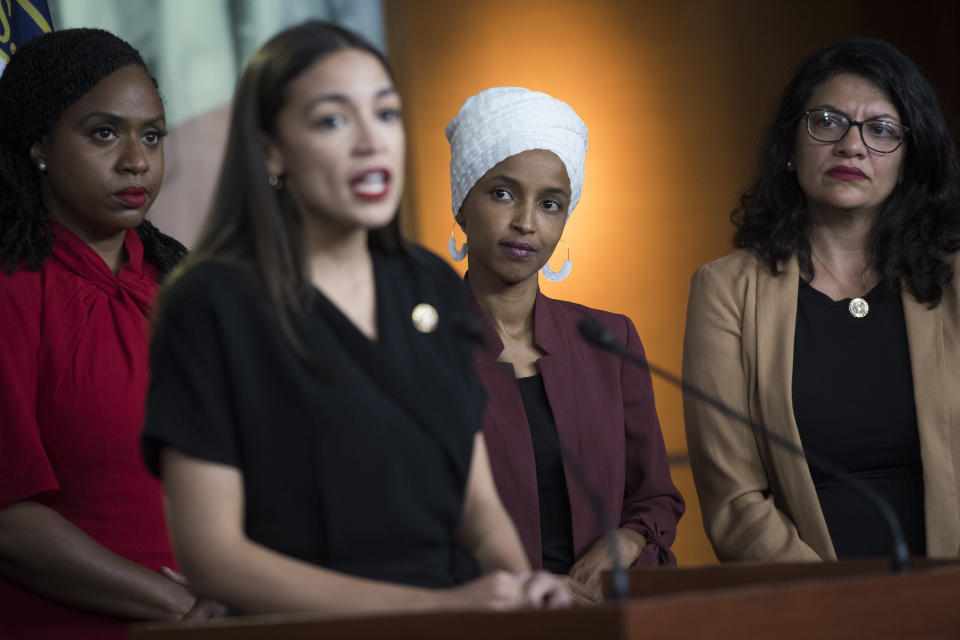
{"x": 605, "y": 416}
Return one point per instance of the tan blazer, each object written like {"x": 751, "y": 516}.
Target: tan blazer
{"x": 758, "y": 501}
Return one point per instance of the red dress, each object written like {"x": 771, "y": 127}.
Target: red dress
{"x": 73, "y": 381}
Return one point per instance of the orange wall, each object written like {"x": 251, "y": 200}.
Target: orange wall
{"x": 675, "y": 95}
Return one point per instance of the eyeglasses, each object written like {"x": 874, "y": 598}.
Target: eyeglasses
{"x": 878, "y": 135}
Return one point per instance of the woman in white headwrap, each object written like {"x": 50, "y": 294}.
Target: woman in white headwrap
{"x": 516, "y": 170}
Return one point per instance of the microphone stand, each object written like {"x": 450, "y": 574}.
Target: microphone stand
{"x": 599, "y": 336}
{"x": 619, "y": 580}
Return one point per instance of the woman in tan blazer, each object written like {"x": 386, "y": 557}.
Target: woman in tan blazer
{"x": 837, "y": 323}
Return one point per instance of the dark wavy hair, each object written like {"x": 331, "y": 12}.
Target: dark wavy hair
{"x": 917, "y": 226}
{"x": 250, "y": 223}
{"x": 46, "y": 75}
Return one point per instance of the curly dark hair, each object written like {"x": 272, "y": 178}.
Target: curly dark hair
{"x": 48, "y": 74}
{"x": 917, "y": 226}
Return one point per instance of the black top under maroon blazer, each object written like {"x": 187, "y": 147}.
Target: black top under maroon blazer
{"x": 605, "y": 415}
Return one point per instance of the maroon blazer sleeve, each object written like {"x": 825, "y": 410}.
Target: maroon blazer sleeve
{"x": 652, "y": 506}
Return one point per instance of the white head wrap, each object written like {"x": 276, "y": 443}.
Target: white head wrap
{"x": 503, "y": 121}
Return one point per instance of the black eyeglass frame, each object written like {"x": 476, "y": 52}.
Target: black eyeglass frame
{"x": 859, "y": 124}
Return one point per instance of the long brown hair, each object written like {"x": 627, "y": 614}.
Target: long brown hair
{"x": 250, "y": 223}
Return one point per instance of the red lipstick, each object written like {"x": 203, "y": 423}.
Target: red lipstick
{"x": 132, "y": 197}
{"x": 371, "y": 185}
{"x": 517, "y": 250}
{"x": 843, "y": 172}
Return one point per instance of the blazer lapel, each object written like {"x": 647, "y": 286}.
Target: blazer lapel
{"x": 506, "y": 418}
{"x": 558, "y": 370}
{"x": 556, "y": 366}
{"x": 507, "y": 434}
{"x": 929, "y": 367}
{"x": 776, "y": 329}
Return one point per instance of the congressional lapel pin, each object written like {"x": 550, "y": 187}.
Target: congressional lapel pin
{"x": 858, "y": 308}
{"x": 425, "y": 317}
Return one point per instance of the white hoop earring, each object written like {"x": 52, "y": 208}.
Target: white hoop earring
{"x": 457, "y": 254}
{"x": 274, "y": 181}
{"x": 558, "y": 276}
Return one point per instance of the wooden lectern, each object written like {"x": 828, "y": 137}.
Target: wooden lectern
{"x": 848, "y": 600}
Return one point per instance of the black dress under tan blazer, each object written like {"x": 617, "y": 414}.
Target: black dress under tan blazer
{"x": 758, "y": 500}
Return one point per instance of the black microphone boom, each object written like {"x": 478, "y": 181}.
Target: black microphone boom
{"x": 598, "y": 335}
{"x": 619, "y": 580}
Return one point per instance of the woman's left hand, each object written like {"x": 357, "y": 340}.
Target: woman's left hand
{"x": 544, "y": 590}
{"x": 591, "y": 565}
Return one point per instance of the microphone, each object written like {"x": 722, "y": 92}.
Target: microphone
{"x": 598, "y": 335}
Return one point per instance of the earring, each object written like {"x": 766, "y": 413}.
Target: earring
{"x": 42, "y": 166}
{"x": 557, "y": 276}
{"x": 457, "y": 254}
{"x": 274, "y": 181}
{"x": 789, "y": 165}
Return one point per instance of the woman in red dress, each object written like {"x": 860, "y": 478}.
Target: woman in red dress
{"x": 83, "y": 545}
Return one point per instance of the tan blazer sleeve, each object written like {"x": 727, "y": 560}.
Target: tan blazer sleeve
{"x": 740, "y": 513}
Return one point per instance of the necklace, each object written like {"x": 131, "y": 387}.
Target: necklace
{"x": 858, "y": 307}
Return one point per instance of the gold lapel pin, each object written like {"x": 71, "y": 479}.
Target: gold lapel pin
{"x": 858, "y": 308}
{"x": 425, "y": 317}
